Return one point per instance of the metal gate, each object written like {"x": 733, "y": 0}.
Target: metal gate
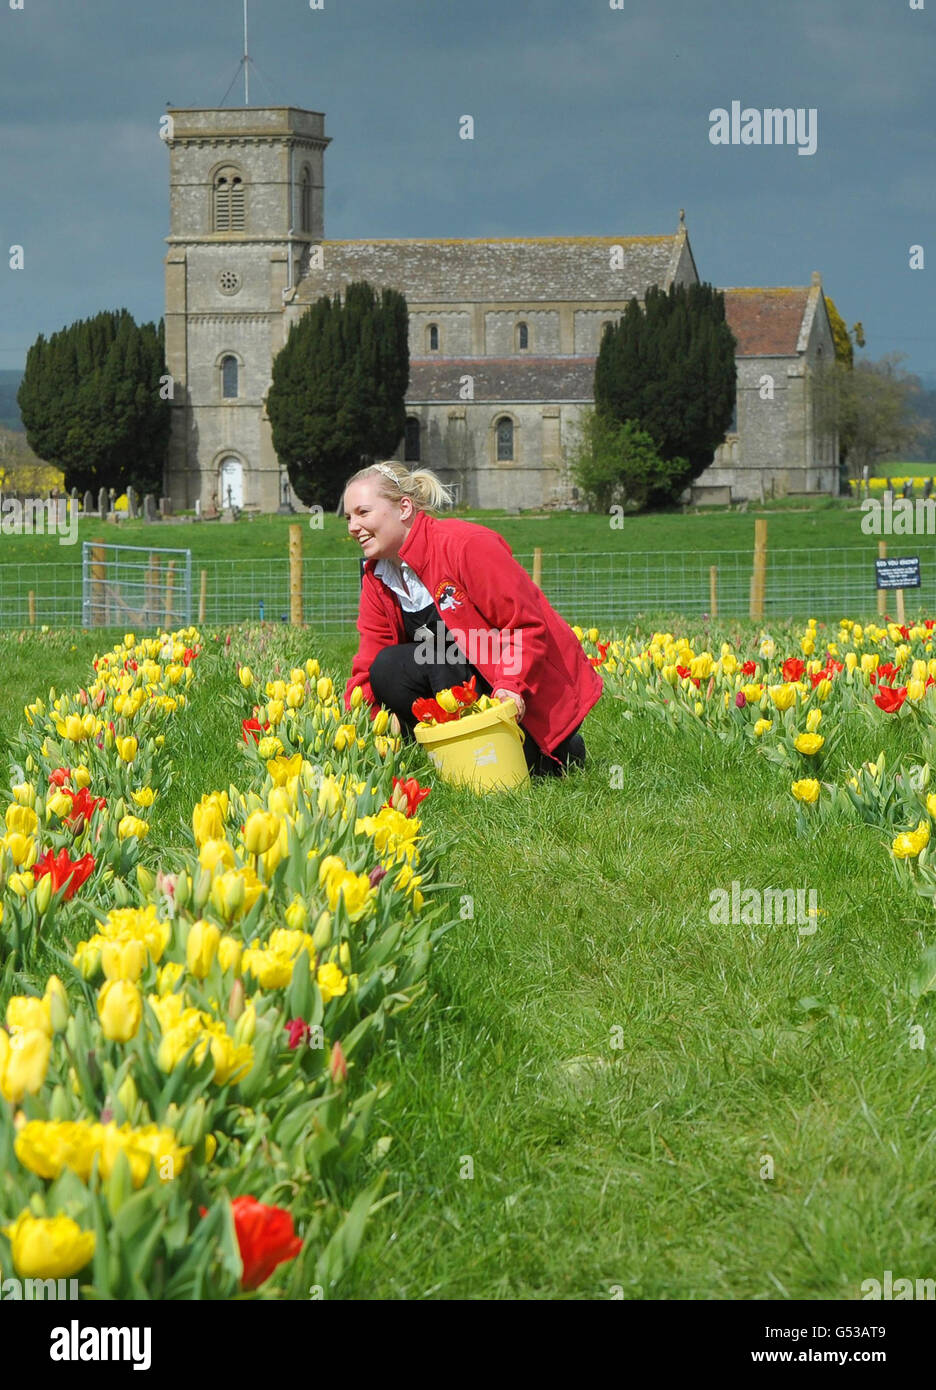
{"x": 135, "y": 586}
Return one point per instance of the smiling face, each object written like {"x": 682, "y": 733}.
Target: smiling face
{"x": 377, "y": 524}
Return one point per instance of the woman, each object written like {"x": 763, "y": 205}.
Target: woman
{"x": 444, "y": 600}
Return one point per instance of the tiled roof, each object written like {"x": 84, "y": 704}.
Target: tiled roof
{"x": 766, "y": 322}
{"x": 459, "y": 270}
{"x": 549, "y": 379}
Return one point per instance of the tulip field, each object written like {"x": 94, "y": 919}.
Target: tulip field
{"x": 286, "y": 1017}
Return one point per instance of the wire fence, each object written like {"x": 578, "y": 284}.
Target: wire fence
{"x": 593, "y": 589}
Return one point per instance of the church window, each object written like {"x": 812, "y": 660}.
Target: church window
{"x": 432, "y": 334}
{"x": 229, "y": 378}
{"x": 505, "y": 438}
{"x": 608, "y": 323}
{"x": 523, "y": 336}
{"x": 229, "y": 205}
{"x": 411, "y": 451}
{"x": 305, "y": 200}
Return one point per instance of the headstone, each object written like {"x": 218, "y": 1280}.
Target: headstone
{"x": 102, "y": 501}
{"x": 908, "y": 487}
{"x": 133, "y": 509}
{"x": 165, "y": 506}
{"x": 88, "y": 502}
{"x": 198, "y": 509}
{"x": 149, "y": 507}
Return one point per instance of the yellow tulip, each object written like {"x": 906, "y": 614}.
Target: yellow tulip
{"x": 127, "y": 748}
{"x": 783, "y": 696}
{"x": 808, "y": 743}
{"x": 806, "y": 789}
{"x": 123, "y": 960}
{"x": 357, "y": 696}
{"x": 245, "y": 676}
{"x": 144, "y": 797}
{"x": 230, "y": 951}
{"x": 324, "y": 688}
{"x": 120, "y": 1009}
{"x": 24, "y": 1060}
{"x": 48, "y": 1247}
{"x": 201, "y": 947}
{"x": 260, "y": 832}
{"x": 132, "y": 826}
{"x": 813, "y": 720}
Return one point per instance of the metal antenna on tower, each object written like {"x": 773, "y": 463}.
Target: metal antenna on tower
{"x": 246, "y": 61}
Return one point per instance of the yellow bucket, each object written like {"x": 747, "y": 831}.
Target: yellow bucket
{"x": 482, "y": 751}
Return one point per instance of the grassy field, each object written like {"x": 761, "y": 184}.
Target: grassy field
{"x": 589, "y": 1096}
{"x": 826, "y": 522}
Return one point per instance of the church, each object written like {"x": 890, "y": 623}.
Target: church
{"x": 503, "y": 332}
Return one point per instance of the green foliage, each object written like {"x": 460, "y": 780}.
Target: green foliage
{"x": 338, "y": 389}
{"x": 844, "y": 348}
{"x": 91, "y": 406}
{"x": 670, "y": 368}
{"x": 618, "y": 464}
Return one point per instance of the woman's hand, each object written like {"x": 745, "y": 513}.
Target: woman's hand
{"x": 511, "y": 695}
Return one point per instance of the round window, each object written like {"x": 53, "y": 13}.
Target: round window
{"x": 229, "y": 282}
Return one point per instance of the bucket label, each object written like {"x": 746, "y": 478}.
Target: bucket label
{"x": 487, "y": 753}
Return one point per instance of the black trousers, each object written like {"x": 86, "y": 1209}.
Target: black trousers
{"x": 408, "y": 671}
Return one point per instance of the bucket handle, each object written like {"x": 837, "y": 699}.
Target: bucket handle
{"x": 506, "y": 711}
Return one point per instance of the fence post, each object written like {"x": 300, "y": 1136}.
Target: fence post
{"x": 203, "y": 597}
{"x": 713, "y": 590}
{"x": 32, "y": 608}
{"x": 882, "y": 593}
{"x": 98, "y": 573}
{"x": 170, "y": 582}
{"x": 759, "y": 576}
{"x": 538, "y": 566}
{"x": 295, "y": 575}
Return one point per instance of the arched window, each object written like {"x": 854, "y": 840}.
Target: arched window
{"x": 305, "y": 200}
{"x": 411, "y": 448}
{"x": 229, "y": 204}
{"x": 229, "y": 378}
{"x": 523, "y": 337}
{"x": 505, "y": 438}
{"x": 432, "y": 335}
{"x": 608, "y": 323}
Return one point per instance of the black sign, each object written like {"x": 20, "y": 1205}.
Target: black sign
{"x": 898, "y": 574}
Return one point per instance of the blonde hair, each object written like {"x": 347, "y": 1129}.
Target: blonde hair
{"x": 395, "y": 481}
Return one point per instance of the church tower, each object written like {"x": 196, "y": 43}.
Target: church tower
{"x": 246, "y": 189}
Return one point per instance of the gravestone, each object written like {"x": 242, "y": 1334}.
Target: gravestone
{"x": 165, "y": 506}
{"x": 102, "y": 501}
{"x": 88, "y": 502}
{"x": 198, "y": 509}
{"x": 149, "y": 507}
{"x": 132, "y": 504}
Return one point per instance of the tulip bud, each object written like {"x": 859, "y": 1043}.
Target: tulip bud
{"x": 43, "y": 894}
{"x": 146, "y": 879}
{"x": 59, "y": 1105}
{"x": 297, "y": 914}
{"x": 323, "y": 931}
{"x": 246, "y": 1026}
{"x": 24, "y": 793}
{"x": 202, "y": 888}
{"x": 245, "y": 676}
{"x": 58, "y": 1004}
{"x": 338, "y": 1066}
{"x": 394, "y": 726}
{"x": 235, "y": 1004}
{"x": 127, "y": 1095}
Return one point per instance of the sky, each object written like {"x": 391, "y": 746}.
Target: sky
{"x": 588, "y": 120}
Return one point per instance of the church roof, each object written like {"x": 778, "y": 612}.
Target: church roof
{"x": 502, "y": 379}
{"x": 501, "y": 269}
{"x": 767, "y": 322}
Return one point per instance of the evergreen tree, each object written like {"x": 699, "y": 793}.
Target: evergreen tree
{"x": 90, "y": 402}
{"x": 339, "y": 386}
{"x": 669, "y": 368}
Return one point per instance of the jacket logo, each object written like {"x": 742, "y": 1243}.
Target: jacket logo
{"x": 448, "y": 595}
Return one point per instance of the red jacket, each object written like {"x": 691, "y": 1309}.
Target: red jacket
{"x": 478, "y": 585}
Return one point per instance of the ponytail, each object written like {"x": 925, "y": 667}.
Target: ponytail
{"x": 394, "y": 481}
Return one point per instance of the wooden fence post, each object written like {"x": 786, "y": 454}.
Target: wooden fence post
{"x": 203, "y": 597}
{"x": 713, "y": 590}
{"x": 295, "y": 575}
{"x": 32, "y": 608}
{"x": 759, "y": 575}
{"x": 538, "y": 566}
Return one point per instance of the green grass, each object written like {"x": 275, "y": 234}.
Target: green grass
{"x": 637, "y": 1165}
{"x": 824, "y": 522}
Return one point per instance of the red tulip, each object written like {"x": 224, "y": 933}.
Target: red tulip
{"x": 83, "y": 808}
{"x": 407, "y": 795}
{"x": 602, "y": 653}
{"x": 298, "y": 1031}
{"x": 253, "y": 727}
{"x": 59, "y": 777}
{"x": 792, "y": 668}
{"x": 890, "y": 698}
{"x": 64, "y": 870}
{"x": 265, "y": 1237}
{"x": 749, "y": 668}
